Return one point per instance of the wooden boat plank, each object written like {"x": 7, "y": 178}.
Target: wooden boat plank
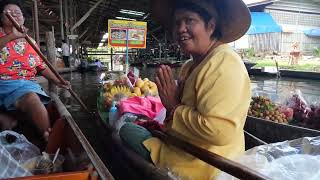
{"x": 98, "y": 164}
{"x": 133, "y": 161}
{"x": 81, "y": 175}
{"x": 272, "y": 132}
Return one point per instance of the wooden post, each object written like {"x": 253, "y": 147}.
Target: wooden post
{"x": 111, "y": 59}
{"x": 36, "y": 21}
{"x": 67, "y": 21}
{"x": 51, "y": 49}
{"x": 61, "y": 20}
{"x": 71, "y": 21}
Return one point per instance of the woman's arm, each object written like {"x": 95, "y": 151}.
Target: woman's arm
{"x": 48, "y": 74}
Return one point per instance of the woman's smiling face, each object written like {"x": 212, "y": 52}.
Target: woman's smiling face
{"x": 191, "y": 31}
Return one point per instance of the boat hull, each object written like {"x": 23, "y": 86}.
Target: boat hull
{"x": 272, "y": 132}
{"x": 81, "y": 162}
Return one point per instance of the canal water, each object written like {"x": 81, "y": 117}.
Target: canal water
{"x": 87, "y": 86}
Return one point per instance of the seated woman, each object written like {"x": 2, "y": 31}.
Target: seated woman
{"x": 19, "y": 64}
{"x": 208, "y": 110}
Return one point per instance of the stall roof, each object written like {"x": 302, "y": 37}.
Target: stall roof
{"x": 252, "y": 3}
{"x": 95, "y": 26}
{"x": 262, "y": 23}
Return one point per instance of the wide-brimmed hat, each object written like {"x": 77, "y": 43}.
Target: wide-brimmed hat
{"x": 234, "y": 15}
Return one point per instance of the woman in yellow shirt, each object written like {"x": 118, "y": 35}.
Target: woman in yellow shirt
{"x": 209, "y": 107}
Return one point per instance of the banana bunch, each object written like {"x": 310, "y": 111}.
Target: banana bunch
{"x": 120, "y": 89}
{"x": 116, "y": 93}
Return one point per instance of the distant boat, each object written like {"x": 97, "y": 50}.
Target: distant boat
{"x": 249, "y": 65}
{"x": 153, "y": 64}
{"x": 136, "y": 64}
{"x": 171, "y": 64}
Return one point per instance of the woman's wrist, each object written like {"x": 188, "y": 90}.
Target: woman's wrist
{"x": 170, "y": 111}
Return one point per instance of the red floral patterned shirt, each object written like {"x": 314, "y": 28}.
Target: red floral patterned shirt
{"x": 18, "y": 60}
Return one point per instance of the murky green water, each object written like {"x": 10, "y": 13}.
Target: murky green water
{"x": 87, "y": 86}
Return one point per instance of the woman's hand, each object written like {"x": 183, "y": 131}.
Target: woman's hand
{"x": 64, "y": 85}
{"x": 48, "y": 74}
{"x": 167, "y": 87}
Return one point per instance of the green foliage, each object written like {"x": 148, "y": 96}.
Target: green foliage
{"x": 310, "y": 65}
{"x": 316, "y": 51}
{"x": 249, "y": 52}
{"x": 90, "y": 59}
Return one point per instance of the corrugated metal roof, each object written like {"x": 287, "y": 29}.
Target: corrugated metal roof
{"x": 97, "y": 21}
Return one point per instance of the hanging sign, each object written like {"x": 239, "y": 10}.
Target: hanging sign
{"x": 121, "y": 31}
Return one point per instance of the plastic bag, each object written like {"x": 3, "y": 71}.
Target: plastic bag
{"x": 10, "y": 168}
{"x": 296, "y": 100}
{"x": 20, "y": 148}
{"x": 304, "y": 113}
{"x": 126, "y": 117}
{"x": 161, "y": 116}
{"x": 290, "y": 160}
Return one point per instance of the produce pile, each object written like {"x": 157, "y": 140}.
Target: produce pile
{"x": 304, "y": 115}
{"x": 127, "y": 86}
{"x": 294, "y": 111}
{"x": 145, "y": 87}
{"x": 262, "y": 107}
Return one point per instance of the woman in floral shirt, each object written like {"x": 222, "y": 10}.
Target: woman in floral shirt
{"x": 19, "y": 64}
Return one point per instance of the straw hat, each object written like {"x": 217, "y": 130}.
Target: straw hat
{"x": 234, "y": 16}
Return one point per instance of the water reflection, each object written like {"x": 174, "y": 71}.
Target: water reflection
{"x": 150, "y": 72}
{"x": 280, "y": 89}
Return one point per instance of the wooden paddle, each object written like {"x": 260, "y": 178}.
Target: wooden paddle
{"x": 235, "y": 169}
{"x": 44, "y": 58}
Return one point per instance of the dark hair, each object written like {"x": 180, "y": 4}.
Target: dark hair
{"x": 64, "y": 41}
{"x": 206, "y": 17}
{"x": 4, "y": 3}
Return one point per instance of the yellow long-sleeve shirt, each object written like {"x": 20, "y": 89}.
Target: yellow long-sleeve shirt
{"x": 215, "y": 102}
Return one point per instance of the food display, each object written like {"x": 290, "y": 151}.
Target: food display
{"x": 44, "y": 164}
{"x": 304, "y": 115}
{"x": 145, "y": 87}
{"x": 114, "y": 92}
{"x": 295, "y": 110}
{"x": 127, "y": 86}
{"x": 262, "y": 107}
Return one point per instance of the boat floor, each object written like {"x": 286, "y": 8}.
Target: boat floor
{"x": 100, "y": 140}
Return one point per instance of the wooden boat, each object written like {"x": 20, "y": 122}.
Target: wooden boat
{"x": 257, "y": 132}
{"x": 153, "y": 64}
{"x": 272, "y": 132}
{"x": 249, "y": 65}
{"x": 134, "y": 64}
{"x": 123, "y": 159}
{"x": 81, "y": 161}
{"x": 286, "y": 73}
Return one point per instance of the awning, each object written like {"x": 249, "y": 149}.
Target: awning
{"x": 262, "y": 22}
{"x": 312, "y": 32}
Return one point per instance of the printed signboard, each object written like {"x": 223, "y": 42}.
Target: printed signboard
{"x": 121, "y": 31}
